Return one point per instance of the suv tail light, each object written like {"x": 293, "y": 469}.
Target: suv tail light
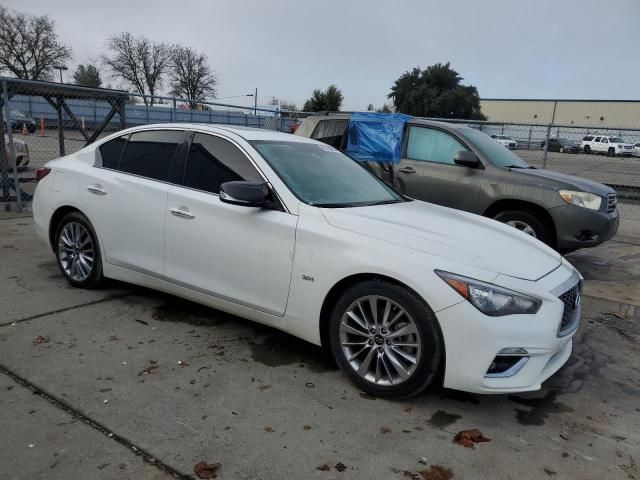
{"x": 41, "y": 173}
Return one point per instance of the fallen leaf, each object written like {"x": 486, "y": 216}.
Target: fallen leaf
{"x": 367, "y": 396}
{"x": 407, "y": 409}
{"x": 147, "y": 370}
{"x": 206, "y": 470}
{"x": 550, "y": 472}
{"x": 341, "y": 467}
{"x": 268, "y": 429}
{"x": 384, "y": 430}
{"x": 324, "y": 468}
{"x": 141, "y": 321}
{"x": 264, "y": 387}
{"x": 436, "y": 472}
{"x": 306, "y": 427}
{"x": 468, "y": 438}
{"x": 40, "y": 339}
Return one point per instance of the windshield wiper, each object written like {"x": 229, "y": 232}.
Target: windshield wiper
{"x": 519, "y": 166}
{"x": 382, "y": 202}
{"x": 334, "y": 205}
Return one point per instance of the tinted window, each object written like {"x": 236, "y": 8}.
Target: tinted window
{"x": 588, "y": 138}
{"x": 597, "y": 139}
{"x": 432, "y": 145}
{"x": 330, "y": 132}
{"x": 110, "y": 152}
{"x": 213, "y": 161}
{"x": 149, "y": 154}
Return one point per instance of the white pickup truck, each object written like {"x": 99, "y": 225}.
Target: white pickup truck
{"x": 607, "y": 145}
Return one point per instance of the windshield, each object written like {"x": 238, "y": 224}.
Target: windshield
{"x": 320, "y": 175}
{"x": 496, "y": 153}
{"x": 616, "y": 140}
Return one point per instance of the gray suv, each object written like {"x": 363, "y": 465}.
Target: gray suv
{"x": 461, "y": 167}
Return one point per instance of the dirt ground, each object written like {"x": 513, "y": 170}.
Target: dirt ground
{"x": 123, "y": 382}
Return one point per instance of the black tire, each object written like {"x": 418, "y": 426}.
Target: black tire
{"x": 94, "y": 278}
{"x": 561, "y": 150}
{"x": 542, "y": 230}
{"x": 427, "y": 367}
{"x": 611, "y": 152}
{"x": 587, "y": 149}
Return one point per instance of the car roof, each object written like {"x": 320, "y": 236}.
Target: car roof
{"x": 247, "y": 133}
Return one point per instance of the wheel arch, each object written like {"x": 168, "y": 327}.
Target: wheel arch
{"x": 513, "y": 204}
{"x": 57, "y": 216}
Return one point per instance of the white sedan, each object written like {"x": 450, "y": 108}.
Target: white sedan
{"x": 291, "y": 233}
{"x": 506, "y": 141}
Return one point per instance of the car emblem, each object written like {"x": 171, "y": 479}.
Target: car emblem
{"x": 577, "y": 300}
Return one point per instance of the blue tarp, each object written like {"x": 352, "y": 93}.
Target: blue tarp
{"x": 376, "y": 137}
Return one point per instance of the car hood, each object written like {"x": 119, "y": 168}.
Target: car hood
{"x": 566, "y": 181}
{"x": 458, "y": 236}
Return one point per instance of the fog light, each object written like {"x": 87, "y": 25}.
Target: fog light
{"x": 513, "y": 351}
{"x": 504, "y": 366}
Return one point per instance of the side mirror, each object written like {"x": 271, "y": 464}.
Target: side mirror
{"x": 466, "y": 159}
{"x": 246, "y": 194}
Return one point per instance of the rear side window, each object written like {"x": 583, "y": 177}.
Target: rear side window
{"x": 588, "y": 138}
{"x": 213, "y": 161}
{"x": 330, "y": 132}
{"x": 149, "y": 154}
{"x": 111, "y": 151}
{"x": 432, "y": 145}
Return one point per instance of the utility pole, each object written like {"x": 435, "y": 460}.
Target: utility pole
{"x": 255, "y": 102}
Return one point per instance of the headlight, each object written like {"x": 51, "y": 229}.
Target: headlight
{"x": 490, "y": 299}
{"x": 618, "y": 146}
{"x": 582, "y": 199}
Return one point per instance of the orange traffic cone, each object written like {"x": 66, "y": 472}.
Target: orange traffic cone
{"x": 41, "y": 127}
{"x": 24, "y": 129}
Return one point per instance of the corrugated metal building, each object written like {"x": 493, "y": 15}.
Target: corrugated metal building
{"x": 588, "y": 113}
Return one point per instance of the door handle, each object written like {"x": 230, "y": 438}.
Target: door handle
{"x": 407, "y": 170}
{"x": 97, "y": 189}
{"x": 182, "y": 212}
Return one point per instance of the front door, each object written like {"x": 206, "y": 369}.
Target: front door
{"x": 240, "y": 254}
{"x": 427, "y": 170}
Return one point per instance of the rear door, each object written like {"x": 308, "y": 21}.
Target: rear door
{"x": 125, "y": 197}
{"x": 427, "y": 171}
{"x": 240, "y": 254}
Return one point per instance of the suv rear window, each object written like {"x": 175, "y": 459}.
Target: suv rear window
{"x": 588, "y": 138}
{"x": 330, "y": 132}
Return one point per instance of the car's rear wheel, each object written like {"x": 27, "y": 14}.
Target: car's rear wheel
{"x": 527, "y": 222}
{"x": 587, "y": 149}
{"x": 561, "y": 150}
{"x": 77, "y": 251}
{"x": 386, "y": 339}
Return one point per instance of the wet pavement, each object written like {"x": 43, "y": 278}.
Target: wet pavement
{"x": 130, "y": 383}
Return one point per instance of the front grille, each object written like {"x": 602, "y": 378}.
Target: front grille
{"x": 612, "y": 202}
{"x": 572, "y": 308}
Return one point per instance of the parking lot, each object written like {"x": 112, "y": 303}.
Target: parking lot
{"x": 123, "y": 382}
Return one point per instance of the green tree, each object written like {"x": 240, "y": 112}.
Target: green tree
{"x": 435, "y": 92}
{"x": 87, "y": 76}
{"x": 328, "y": 100}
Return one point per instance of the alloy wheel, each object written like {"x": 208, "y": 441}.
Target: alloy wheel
{"x": 75, "y": 251}
{"x": 380, "y": 340}
{"x": 523, "y": 227}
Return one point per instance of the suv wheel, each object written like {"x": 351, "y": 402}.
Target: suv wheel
{"x": 527, "y": 222}
{"x": 587, "y": 149}
{"x": 78, "y": 252}
{"x": 386, "y": 339}
{"x": 611, "y": 152}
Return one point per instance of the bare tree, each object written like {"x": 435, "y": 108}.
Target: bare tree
{"x": 29, "y": 45}
{"x": 191, "y": 75}
{"x": 138, "y": 61}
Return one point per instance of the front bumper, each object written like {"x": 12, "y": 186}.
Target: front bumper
{"x": 473, "y": 340}
{"x": 578, "y": 227}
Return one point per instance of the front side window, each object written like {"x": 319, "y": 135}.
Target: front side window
{"x": 321, "y": 176}
{"x": 149, "y": 153}
{"x": 432, "y": 145}
{"x": 213, "y": 161}
{"x": 597, "y": 139}
{"x": 111, "y": 151}
{"x": 492, "y": 150}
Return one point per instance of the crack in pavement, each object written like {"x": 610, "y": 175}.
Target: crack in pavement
{"x": 77, "y": 414}
{"x": 66, "y": 309}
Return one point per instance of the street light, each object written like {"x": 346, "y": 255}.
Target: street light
{"x": 236, "y": 96}
{"x": 61, "y": 68}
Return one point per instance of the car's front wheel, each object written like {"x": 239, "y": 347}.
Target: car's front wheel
{"x": 527, "y": 222}
{"x": 386, "y": 339}
{"x": 611, "y": 152}
{"x": 77, "y": 251}
{"x": 587, "y": 149}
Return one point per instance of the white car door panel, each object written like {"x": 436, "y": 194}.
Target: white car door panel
{"x": 241, "y": 254}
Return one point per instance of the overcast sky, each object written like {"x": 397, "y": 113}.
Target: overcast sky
{"x": 506, "y": 48}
